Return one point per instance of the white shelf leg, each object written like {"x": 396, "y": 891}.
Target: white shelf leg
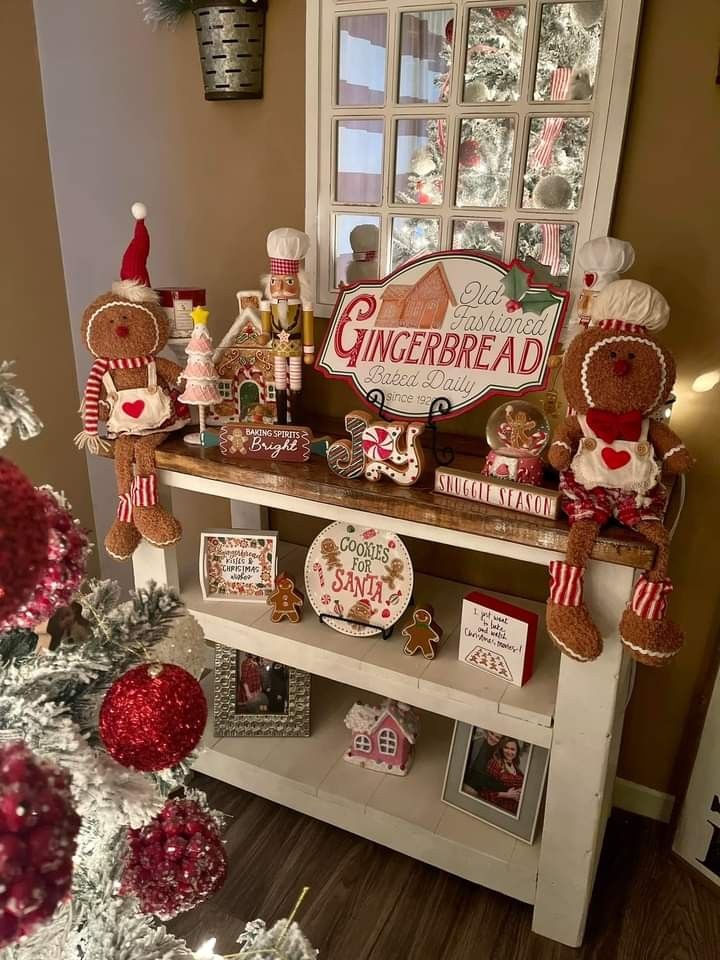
{"x": 248, "y": 516}
{"x": 588, "y": 725}
{"x": 157, "y": 563}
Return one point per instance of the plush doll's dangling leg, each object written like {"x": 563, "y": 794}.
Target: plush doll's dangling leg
{"x": 123, "y": 536}
{"x": 568, "y": 621}
{"x": 648, "y": 636}
{"x": 156, "y": 525}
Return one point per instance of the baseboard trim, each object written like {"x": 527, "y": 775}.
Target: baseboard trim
{"x": 636, "y": 798}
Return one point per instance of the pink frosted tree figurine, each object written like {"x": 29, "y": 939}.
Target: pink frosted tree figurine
{"x": 201, "y": 377}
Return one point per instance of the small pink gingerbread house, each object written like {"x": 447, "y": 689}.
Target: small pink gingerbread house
{"x": 383, "y": 737}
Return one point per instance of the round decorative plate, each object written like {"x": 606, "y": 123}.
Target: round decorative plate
{"x": 360, "y": 573}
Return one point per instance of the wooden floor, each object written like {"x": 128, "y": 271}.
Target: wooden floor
{"x": 368, "y": 903}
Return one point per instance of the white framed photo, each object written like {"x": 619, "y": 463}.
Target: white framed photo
{"x": 238, "y": 565}
{"x": 496, "y": 778}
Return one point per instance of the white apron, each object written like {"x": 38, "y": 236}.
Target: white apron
{"x": 624, "y": 464}
{"x": 137, "y": 410}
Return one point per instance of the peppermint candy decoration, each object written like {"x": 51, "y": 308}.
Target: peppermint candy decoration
{"x": 377, "y": 443}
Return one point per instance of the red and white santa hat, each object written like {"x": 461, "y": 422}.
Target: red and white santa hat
{"x": 630, "y": 307}
{"x": 134, "y": 282}
{"x": 286, "y": 248}
{"x": 603, "y": 259}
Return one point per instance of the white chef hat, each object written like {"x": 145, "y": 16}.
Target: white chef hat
{"x": 286, "y": 248}
{"x": 603, "y": 260}
{"x": 629, "y": 306}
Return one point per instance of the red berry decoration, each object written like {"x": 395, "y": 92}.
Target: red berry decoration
{"x": 23, "y": 541}
{"x": 174, "y": 862}
{"x": 153, "y": 716}
{"x": 38, "y": 827}
{"x": 512, "y": 305}
{"x": 502, "y": 13}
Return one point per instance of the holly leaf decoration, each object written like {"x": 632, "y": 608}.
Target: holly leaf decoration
{"x": 515, "y": 284}
{"x": 538, "y": 300}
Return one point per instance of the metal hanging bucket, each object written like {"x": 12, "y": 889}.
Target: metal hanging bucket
{"x": 231, "y": 38}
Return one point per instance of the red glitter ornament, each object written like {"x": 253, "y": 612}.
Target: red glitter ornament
{"x": 23, "y": 540}
{"x": 174, "y": 862}
{"x": 502, "y": 13}
{"x": 153, "y": 716}
{"x": 58, "y": 573}
{"x": 469, "y": 154}
{"x": 38, "y": 827}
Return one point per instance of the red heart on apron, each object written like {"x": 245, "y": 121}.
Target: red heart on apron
{"x": 615, "y": 459}
{"x": 134, "y": 409}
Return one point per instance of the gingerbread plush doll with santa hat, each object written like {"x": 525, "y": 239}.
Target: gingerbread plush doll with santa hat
{"x": 611, "y": 454}
{"x": 135, "y": 392}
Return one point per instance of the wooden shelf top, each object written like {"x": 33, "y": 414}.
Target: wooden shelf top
{"x": 315, "y": 482}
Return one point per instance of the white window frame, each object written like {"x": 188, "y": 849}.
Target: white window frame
{"x": 388, "y": 737}
{"x": 362, "y": 743}
{"x": 608, "y": 111}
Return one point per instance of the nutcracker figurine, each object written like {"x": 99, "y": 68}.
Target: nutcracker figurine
{"x": 287, "y": 316}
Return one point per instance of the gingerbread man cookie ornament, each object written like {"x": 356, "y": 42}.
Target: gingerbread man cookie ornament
{"x": 611, "y": 454}
{"x": 421, "y": 634}
{"x": 286, "y": 600}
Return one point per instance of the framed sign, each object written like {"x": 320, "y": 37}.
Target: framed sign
{"x": 237, "y": 564}
{"x": 498, "y": 637}
{"x": 459, "y": 325}
{"x": 497, "y": 779}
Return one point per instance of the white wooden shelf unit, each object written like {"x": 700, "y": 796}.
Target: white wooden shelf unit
{"x": 574, "y": 709}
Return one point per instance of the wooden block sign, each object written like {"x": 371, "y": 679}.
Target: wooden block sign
{"x": 459, "y": 325}
{"x": 538, "y": 501}
{"x": 246, "y": 441}
{"x": 498, "y": 637}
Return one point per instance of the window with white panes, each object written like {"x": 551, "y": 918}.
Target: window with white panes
{"x": 362, "y": 743}
{"x": 483, "y": 125}
{"x": 388, "y": 742}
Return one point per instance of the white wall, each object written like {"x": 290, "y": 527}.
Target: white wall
{"x": 126, "y": 120}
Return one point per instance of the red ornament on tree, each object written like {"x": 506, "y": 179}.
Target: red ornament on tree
{"x": 153, "y": 717}
{"x": 23, "y": 541}
{"x": 502, "y": 13}
{"x": 469, "y": 154}
{"x": 176, "y": 861}
{"x": 38, "y": 827}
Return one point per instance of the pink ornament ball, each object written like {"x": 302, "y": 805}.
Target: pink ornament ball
{"x": 153, "y": 717}
{"x": 174, "y": 862}
{"x": 38, "y": 827}
{"x": 23, "y": 541}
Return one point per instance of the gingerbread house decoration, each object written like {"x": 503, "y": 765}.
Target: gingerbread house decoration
{"x": 422, "y": 305}
{"x": 383, "y": 737}
{"x": 245, "y": 365}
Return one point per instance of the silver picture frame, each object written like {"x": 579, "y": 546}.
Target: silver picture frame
{"x": 470, "y": 786}
{"x": 288, "y": 716}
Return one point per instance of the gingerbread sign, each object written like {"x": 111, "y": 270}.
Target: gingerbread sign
{"x": 359, "y": 580}
{"x": 459, "y": 325}
{"x": 251, "y": 442}
{"x": 378, "y": 449}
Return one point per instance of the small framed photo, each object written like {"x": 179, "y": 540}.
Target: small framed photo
{"x": 256, "y": 697}
{"x": 238, "y": 564}
{"x": 496, "y": 778}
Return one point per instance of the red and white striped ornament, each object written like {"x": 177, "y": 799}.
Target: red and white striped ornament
{"x": 552, "y": 126}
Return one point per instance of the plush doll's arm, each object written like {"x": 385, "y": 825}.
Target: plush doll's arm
{"x": 564, "y": 443}
{"x": 670, "y": 449}
{"x": 168, "y": 371}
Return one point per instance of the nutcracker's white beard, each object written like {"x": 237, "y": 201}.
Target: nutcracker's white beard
{"x": 282, "y": 312}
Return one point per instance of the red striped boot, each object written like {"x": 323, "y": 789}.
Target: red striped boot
{"x": 568, "y": 620}
{"x": 646, "y": 633}
{"x": 156, "y": 525}
{"x": 123, "y": 536}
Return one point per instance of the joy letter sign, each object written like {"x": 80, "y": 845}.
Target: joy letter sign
{"x": 457, "y": 325}
{"x": 498, "y": 637}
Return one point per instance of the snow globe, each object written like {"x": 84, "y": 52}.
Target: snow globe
{"x": 517, "y": 433}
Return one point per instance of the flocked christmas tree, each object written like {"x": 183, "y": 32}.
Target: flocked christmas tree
{"x": 94, "y": 737}
{"x": 569, "y": 44}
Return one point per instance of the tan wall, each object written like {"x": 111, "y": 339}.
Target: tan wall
{"x": 668, "y": 206}
{"x": 127, "y": 121}
{"x": 35, "y": 331}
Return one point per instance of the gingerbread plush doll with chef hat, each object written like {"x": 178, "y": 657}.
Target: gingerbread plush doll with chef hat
{"x": 611, "y": 454}
{"x": 135, "y": 392}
